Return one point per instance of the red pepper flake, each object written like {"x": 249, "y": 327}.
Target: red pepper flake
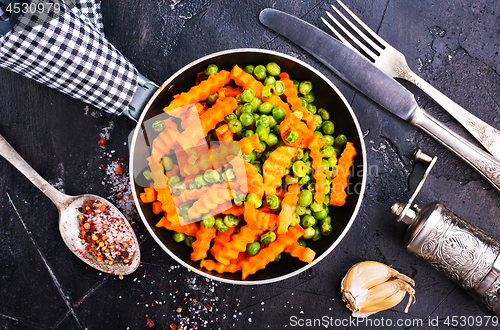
{"x": 150, "y": 323}
{"x": 173, "y": 326}
{"x": 102, "y": 141}
{"x": 119, "y": 169}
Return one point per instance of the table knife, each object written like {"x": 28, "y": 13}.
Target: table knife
{"x": 361, "y": 74}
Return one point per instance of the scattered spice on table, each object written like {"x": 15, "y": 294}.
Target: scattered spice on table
{"x": 104, "y": 235}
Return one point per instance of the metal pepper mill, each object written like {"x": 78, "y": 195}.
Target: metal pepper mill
{"x": 453, "y": 246}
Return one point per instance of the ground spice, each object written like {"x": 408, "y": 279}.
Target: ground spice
{"x": 104, "y": 233}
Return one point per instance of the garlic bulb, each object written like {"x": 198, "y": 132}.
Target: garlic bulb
{"x": 370, "y": 287}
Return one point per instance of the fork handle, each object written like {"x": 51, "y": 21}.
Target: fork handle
{"x": 481, "y": 161}
{"x": 484, "y": 133}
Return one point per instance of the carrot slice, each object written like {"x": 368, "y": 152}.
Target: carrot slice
{"x": 246, "y": 80}
{"x": 294, "y": 100}
{"x": 209, "y": 202}
{"x": 292, "y": 122}
{"x": 200, "y": 92}
{"x": 315, "y": 146}
{"x": 238, "y": 244}
{"x": 339, "y": 183}
{"x": 221, "y": 239}
{"x": 248, "y": 145}
{"x": 203, "y": 238}
{"x": 303, "y": 253}
{"x": 216, "y": 113}
{"x": 223, "y": 133}
{"x": 233, "y": 267}
{"x": 229, "y": 91}
{"x": 148, "y": 196}
{"x": 157, "y": 209}
{"x": 288, "y": 206}
{"x": 255, "y": 218}
{"x": 275, "y": 167}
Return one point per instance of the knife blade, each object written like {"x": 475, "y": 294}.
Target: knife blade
{"x": 360, "y": 73}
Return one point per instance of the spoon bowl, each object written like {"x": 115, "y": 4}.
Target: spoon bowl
{"x": 69, "y": 209}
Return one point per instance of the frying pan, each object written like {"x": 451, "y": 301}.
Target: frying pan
{"x": 327, "y": 96}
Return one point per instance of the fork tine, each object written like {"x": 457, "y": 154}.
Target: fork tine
{"x": 369, "y": 52}
{"x": 362, "y": 24}
{"x": 337, "y": 34}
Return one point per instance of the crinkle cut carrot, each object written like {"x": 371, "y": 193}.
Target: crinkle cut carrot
{"x": 247, "y": 177}
{"x": 339, "y": 183}
{"x": 315, "y": 146}
{"x": 217, "y": 112}
{"x": 237, "y": 244}
{"x": 223, "y": 133}
{"x": 277, "y": 101}
{"x": 190, "y": 229}
{"x": 235, "y": 210}
{"x": 233, "y": 267}
{"x": 288, "y": 206}
{"x": 294, "y": 100}
{"x": 203, "y": 238}
{"x": 157, "y": 209}
{"x": 149, "y": 195}
{"x": 275, "y": 167}
{"x": 248, "y": 145}
{"x": 164, "y": 143}
{"x": 200, "y": 92}
{"x": 246, "y": 80}
{"x": 208, "y": 202}
{"x": 257, "y": 219}
{"x": 292, "y": 122}
{"x": 303, "y": 253}
{"x": 221, "y": 239}
{"x": 266, "y": 255}
{"x": 228, "y": 91}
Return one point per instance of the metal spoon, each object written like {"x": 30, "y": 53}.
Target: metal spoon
{"x": 68, "y": 216}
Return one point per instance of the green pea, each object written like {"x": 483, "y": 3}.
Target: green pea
{"x": 309, "y": 167}
{"x": 211, "y": 70}
{"x": 304, "y": 102}
{"x": 256, "y": 117}
{"x": 269, "y": 81}
{"x": 253, "y": 248}
{"x": 329, "y": 140}
{"x": 248, "y": 157}
{"x": 184, "y": 210}
{"x": 260, "y": 72}
{"x": 300, "y": 210}
{"x": 249, "y": 69}
{"x": 318, "y": 133}
{"x": 208, "y": 221}
{"x": 298, "y": 114}
{"x": 272, "y": 122}
{"x": 230, "y": 117}
{"x": 318, "y": 122}
{"x": 302, "y": 242}
{"x": 158, "y": 126}
{"x": 247, "y": 107}
{"x": 167, "y": 163}
{"x": 324, "y": 114}
{"x": 291, "y": 179}
{"x": 220, "y": 225}
{"x": 268, "y": 237}
{"x": 179, "y": 188}
{"x": 246, "y": 119}
{"x": 239, "y": 199}
{"x": 231, "y": 220}
{"x": 254, "y": 199}
{"x": 311, "y": 109}
{"x": 279, "y": 87}
{"x": 332, "y": 161}
{"x": 316, "y": 207}
{"x": 178, "y": 237}
{"x": 306, "y": 155}
{"x": 266, "y": 107}
{"x": 263, "y": 132}
{"x": 340, "y": 141}
{"x": 255, "y": 104}
{"x": 272, "y": 202}
{"x": 328, "y": 127}
{"x": 305, "y": 179}
{"x": 238, "y": 111}
{"x": 267, "y": 91}
{"x": 276, "y": 130}
{"x": 173, "y": 180}
{"x": 200, "y": 181}
{"x": 307, "y": 221}
{"x": 211, "y": 176}
{"x": 266, "y": 155}
{"x": 299, "y": 154}
{"x": 317, "y": 234}
{"x": 305, "y": 87}
{"x": 211, "y": 99}
{"x": 295, "y": 220}
{"x": 309, "y": 233}
{"x": 326, "y": 229}
{"x": 328, "y": 219}
{"x": 258, "y": 167}
{"x": 295, "y": 85}
{"x": 305, "y": 197}
{"x": 278, "y": 258}
{"x": 292, "y": 136}
{"x": 234, "y": 126}
{"x": 328, "y": 151}
{"x": 299, "y": 168}
{"x": 278, "y": 113}
{"x": 320, "y": 215}
{"x": 247, "y": 95}
{"x": 228, "y": 175}
{"x": 273, "y": 68}
{"x": 189, "y": 241}
{"x": 272, "y": 139}
{"x": 249, "y": 133}
{"x": 309, "y": 97}
{"x": 263, "y": 121}
{"x": 147, "y": 174}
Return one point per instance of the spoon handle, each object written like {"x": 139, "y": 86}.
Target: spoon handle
{"x": 9, "y": 153}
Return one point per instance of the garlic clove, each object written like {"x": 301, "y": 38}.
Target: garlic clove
{"x": 370, "y": 287}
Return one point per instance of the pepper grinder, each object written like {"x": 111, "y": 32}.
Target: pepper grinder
{"x": 461, "y": 251}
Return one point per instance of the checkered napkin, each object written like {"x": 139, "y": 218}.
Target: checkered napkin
{"x": 67, "y": 51}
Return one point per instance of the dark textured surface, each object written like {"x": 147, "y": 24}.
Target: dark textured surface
{"x": 452, "y": 44}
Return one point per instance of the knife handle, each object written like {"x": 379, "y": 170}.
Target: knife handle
{"x": 481, "y": 161}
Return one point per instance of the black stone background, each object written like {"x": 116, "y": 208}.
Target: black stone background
{"x": 452, "y": 44}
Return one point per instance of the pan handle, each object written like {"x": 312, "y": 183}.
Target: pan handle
{"x": 145, "y": 90}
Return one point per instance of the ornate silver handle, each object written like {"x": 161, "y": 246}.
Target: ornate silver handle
{"x": 481, "y": 161}
{"x": 484, "y": 133}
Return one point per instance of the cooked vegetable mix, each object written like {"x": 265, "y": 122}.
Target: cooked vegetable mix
{"x": 270, "y": 184}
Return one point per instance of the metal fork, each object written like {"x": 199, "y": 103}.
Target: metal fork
{"x": 393, "y": 62}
